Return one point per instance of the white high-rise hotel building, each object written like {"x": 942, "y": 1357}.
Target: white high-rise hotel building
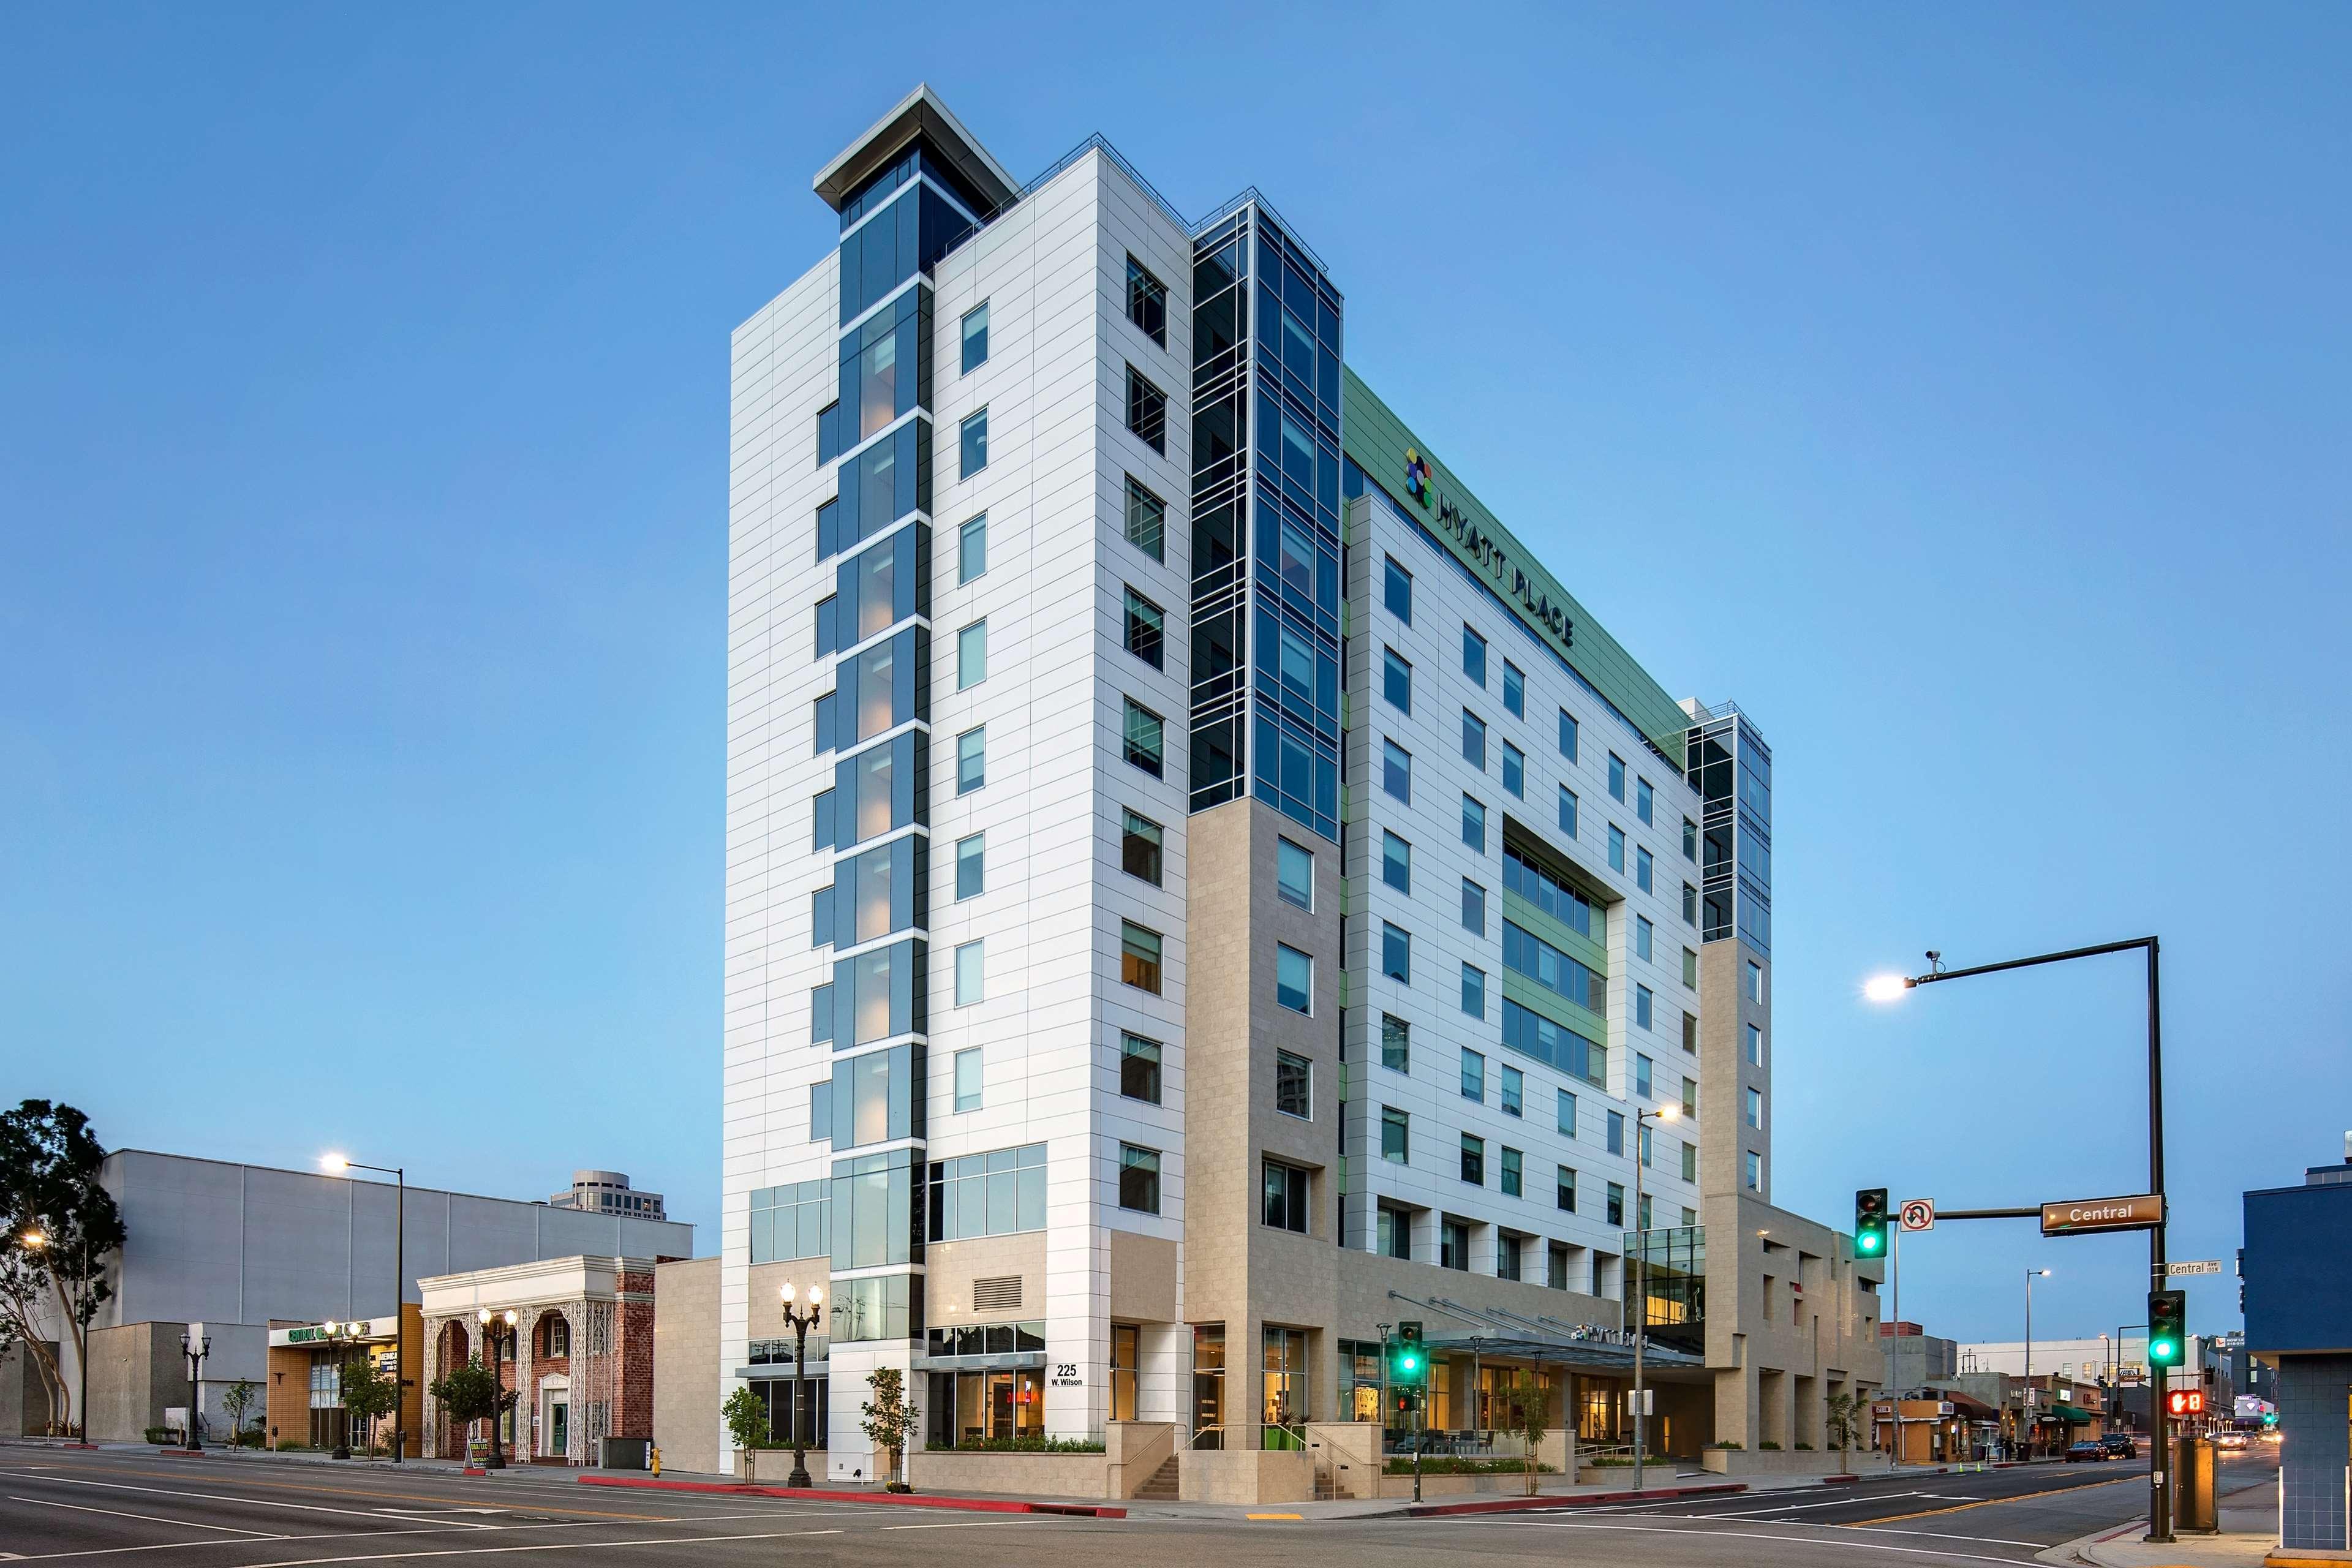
{"x": 1198, "y": 891}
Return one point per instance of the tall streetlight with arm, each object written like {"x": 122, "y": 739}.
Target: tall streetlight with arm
{"x": 1668, "y": 1112}
{"x": 1889, "y": 988}
{"x": 800, "y": 1322}
{"x": 337, "y": 1164}
{"x": 2031, "y": 1412}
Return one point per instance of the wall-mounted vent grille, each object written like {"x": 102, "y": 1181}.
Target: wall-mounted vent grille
{"x": 999, "y": 1295}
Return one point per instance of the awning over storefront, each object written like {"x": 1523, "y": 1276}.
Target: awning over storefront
{"x": 2073, "y": 1414}
{"x": 1004, "y": 1360}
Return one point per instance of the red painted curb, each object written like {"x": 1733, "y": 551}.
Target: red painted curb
{"x": 1525, "y": 1504}
{"x": 182, "y": 1453}
{"x": 901, "y": 1499}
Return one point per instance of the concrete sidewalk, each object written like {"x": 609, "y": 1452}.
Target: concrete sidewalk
{"x": 2248, "y": 1538}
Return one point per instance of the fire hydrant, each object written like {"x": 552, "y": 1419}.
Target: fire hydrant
{"x": 657, "y": 1463}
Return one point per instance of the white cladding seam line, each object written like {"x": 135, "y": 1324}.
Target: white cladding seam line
{"x": 150, "y": 1517}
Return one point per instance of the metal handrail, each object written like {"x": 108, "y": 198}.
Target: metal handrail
{"x": 1297, "y": 1431}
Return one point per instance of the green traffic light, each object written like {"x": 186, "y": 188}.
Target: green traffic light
{"x": 2162, "y": 1351}
{"x": 1869, "y": 1242}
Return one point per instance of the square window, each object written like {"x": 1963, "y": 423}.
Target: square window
{"x": 1474, "y": 991}
{"x": 1140, "y": 847}
{"x": 1396, "y": 680}
{"x": 1396, "y": 771}
{"x": 1139, "y": 1179}
{"x": 1294, "y": 873}
{"x": 1147, "y": 415}
{"x": 972, "y": 549}
{"x": 1294, "y": 1085}
{"x": 1396, "y": 953}
{"x": 1146, "y": 302}
{"x": 1139, "y": 957}
{"x": 967, "y": 1080}
{"x": 1285, "y": 1207}
{"x": 1474, "y": 823}
{"x": 975, "y": 338}
{"x": 967, "y": 973}
{"x": 1567, "y": 734}
{"x": 1396, "y": 590}
{"x": 1568, "y": 804}
{"x": 1616, "y": 777}
{"x": 1643, "y": 800}
{"x": 1643, "y": 937}
{"x": 1146, "y": 520}
{"x": 1395, "y": 1135}
{"x": 1566, "y": 1114}
{"x": 1515, "y": 1091}
{"x": 972, "y": 760}
{"x": 1474, "y": 907}
{"x": 1641, "y": 870}
{"x": 1294, "y": 979}
{"x": 1138, "y": 1068}
{"x": 1616, "y": 847}
{"x": 974, "y": 434}
{"x": 1473, "y": 1163}
{"x": 1474, "y": 739}
{"x": 1473, "y": 656}
{"x": 1564, "y": 1196}
{"x": 1515, "y": 770}
{"x": 1396, "y": 862}
{"x": 971, "y": 866}
{"x": 1147, "y": 630}
{"x": 1396, "y": 1043}
{"x": 1513, "y": 1164}
{"x": 1514, "y": 691}
{"x": 1474, "y": 1076}
{"x": 1146, "y": 738}
{"x": 972, "y": 655}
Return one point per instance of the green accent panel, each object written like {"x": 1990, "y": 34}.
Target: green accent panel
{"x": 1567, "y": 1014}
{"x": 1528, "y": 918}
{"x": 1377, "y": 441}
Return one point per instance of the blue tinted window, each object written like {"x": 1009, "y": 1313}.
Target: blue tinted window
{"x": 1642, "y": 799}
{"x": 1616, "y": 847}
{"x": 1396, "y": 680}
{"x": 975, "y": 444}
{"x": 1396, "y": 953}
{"x": 975, "y": 338}
{"x": 1568, "y": 737}
{"x": 1474, "y": 656}
{"x": 1474, "y": 991}
{"x": 1474, "y": 739}
{"x": 1396, "y": 592}
{"x": 1396, "y": 862}
{"x": 1568, "y": 811}
{"x": 1474, "y": 823}
{"x": 1515, "y": 770}
{"x": 1474, "y": 1076}
{"x": 1396, "y": 770}
{"x": 1514, "y": 691}
{"x": 1616, "y": 777}
{"x": 972, "y": 549}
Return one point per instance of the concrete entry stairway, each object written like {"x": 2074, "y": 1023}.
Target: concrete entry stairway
{"x": 1161, "y": 1487}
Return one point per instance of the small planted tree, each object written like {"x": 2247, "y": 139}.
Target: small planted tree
{"x": 237, "y": 1399}
{"x": 368, "y": 1393}
{"x": 746, "y": 1414}
{"x": 890, "y": 1420}
{"x": 470, "y": 1393}
{"x": 1844, "y": 1418}
{"x": 1527, "y": 1407}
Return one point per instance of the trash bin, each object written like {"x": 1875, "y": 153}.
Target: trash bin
{"x": 627, "y": 1454}
{"x": 2192, "y": 1486}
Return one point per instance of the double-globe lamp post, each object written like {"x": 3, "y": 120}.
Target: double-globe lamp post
{"x": 491, "y": 1323}
{"x": 337, "y": 1164}
{"x": 196, "y": 1348}
{"x": 799, "y": 1321}
{"x": 1642, "y": 1280}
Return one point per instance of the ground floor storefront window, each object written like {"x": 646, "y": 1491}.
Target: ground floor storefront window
{"x": 987, "y": 1406}
{"x": 1286, "y": 1404}
{"x": 815, "y": 1403}
{"x": 1208, "y": 1385}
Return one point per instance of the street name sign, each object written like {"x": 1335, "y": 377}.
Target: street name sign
{"x": 2080, "y": 1216}
{"x": 1918, "y": 1213}
{"x": 2195, "y": 1265}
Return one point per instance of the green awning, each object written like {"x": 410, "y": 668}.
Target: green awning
{"x": 2073, "y": 1414}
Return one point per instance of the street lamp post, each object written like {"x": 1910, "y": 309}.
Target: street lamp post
{"x": 84, "y": 1309}
{"x": 2030, "y": 1424}
{"x": 491, "y": 1322}
{"x": 195, "y": 1349}
{"x": 1887, "y": 987}
{"x": 337, "y": 1164}
{"x": 1642, "y": 1284}
{"x": 800, "y": 1322}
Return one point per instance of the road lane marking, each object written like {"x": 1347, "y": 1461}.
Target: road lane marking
{"x": 1731, "y": 1534}
{"x": 150, "y": 1517}
{"x": 258, "y": 1482}
{"x": 1793, "y": 1507}
{"x": 551, "y": 1546}
{"x": 1273, "y": 1516}
{"x": 2016, "y": 1496}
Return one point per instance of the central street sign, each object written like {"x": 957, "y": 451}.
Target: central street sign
{"x": 1918, "y": 1213}
{"x": 2079, "y": 1216}
{"x": 2195, "y": 1265}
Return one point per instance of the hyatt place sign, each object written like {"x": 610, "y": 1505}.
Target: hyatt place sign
{"x": 1483, "y": 551}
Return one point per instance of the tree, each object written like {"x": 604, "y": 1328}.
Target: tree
{"x": 50, "y": 1190}
{"x": 1844, "y": 1419}
{"x": 238, "y": 1398}
{"x": 1524, "y": 1399}
{"x": 747, "y": 1423}
{"x": 890, "y": 1420}
{"x": 367, "y": 1392}
{"x": 472, "y": 1392}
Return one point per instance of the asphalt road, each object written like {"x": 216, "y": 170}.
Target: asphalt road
{"x": 102, "y": 1510}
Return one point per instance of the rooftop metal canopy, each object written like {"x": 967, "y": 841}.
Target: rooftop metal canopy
{"x": 1548, "y": 1340}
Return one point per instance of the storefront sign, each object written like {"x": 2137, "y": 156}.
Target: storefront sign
{"x": 2079, "y": 1216}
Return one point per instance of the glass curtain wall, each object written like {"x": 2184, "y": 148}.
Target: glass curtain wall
{"x": 1731, "y": 768}
{"x": 1265, "y": 522}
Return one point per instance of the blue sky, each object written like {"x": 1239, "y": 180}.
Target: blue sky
{"x": 1961, "y": 392}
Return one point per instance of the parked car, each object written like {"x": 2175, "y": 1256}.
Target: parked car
{"x": 2088, "y": 1448}
{"x": 2119, "y": 1446}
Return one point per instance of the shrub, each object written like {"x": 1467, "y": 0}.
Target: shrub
{"x": 1769, "y": 1445}
{"x": 1449, "y": 1465}
{"x": 1726, "y": 1443}
{"x": 1028, "y": 1446}
{"x": 161, "y": 1436}
{"x": 1804, "y": 1447}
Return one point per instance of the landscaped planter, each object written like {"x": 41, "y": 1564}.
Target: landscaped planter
{"x": 1026, "y": 1475}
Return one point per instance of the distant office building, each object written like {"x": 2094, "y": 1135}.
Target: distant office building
{"x": 1913, "y": 1356}
{"x": 2299, "y": 1321}
{"x": 608, "y": 1192}
{"x": 2088, "y": 1359}
{"x": 241, "y": 1249}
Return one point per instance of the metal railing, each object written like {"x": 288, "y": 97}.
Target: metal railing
{"x": 1251, "y": 1435}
